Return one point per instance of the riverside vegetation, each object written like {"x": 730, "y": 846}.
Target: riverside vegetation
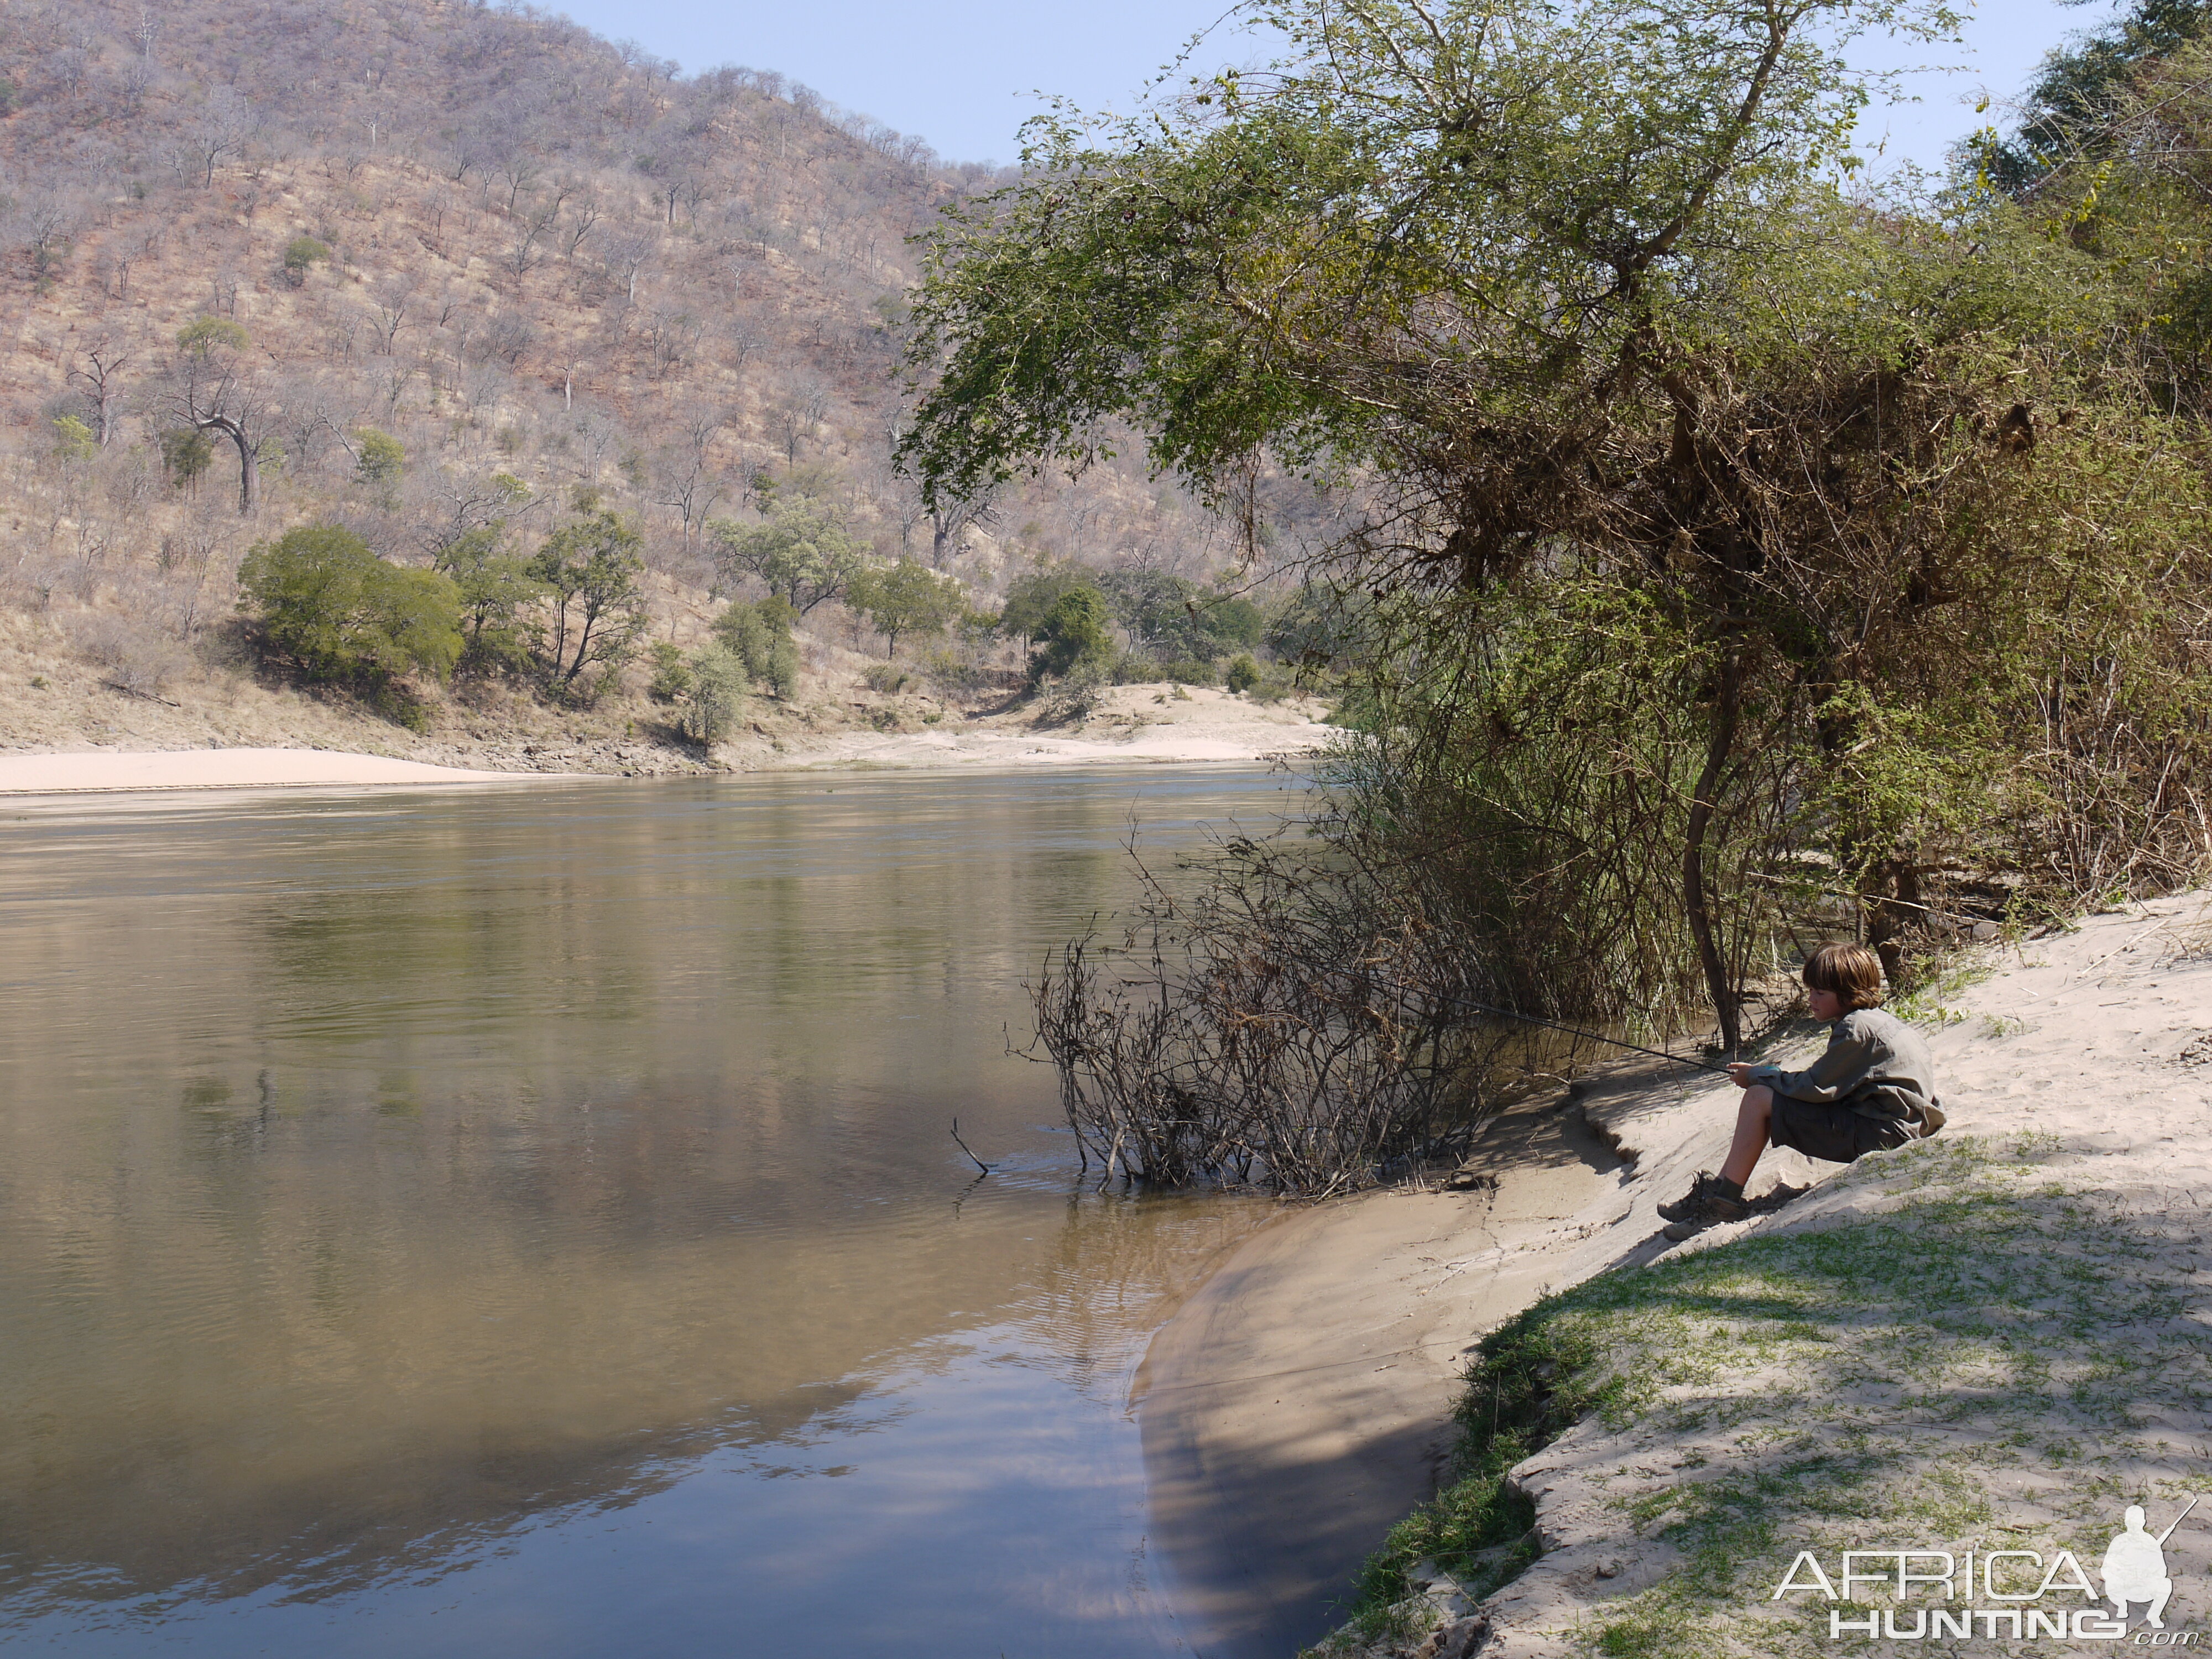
{"x": 1731, "y": 547}
{"x": 320, "y": 301}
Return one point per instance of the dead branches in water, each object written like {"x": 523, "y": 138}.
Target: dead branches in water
{"x": 1294, "y": 1024}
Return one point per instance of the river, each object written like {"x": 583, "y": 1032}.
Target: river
{"x": 526, "y": 1222}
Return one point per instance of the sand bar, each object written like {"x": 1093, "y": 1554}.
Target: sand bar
{"x": 1298, "y": 1404}
{"x": 109, "y": 771}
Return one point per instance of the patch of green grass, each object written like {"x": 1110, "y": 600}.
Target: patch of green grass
{"x": 1928, "y": 1002}
{"x": 1982, "y": 1297}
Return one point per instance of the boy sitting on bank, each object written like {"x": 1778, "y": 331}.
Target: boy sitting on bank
{"x": 1874, "y": 1087}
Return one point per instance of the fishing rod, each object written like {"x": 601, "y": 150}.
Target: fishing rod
{"x": 1576, "y": 1031}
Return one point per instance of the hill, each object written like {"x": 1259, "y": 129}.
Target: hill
{"x": 484, "y": 269}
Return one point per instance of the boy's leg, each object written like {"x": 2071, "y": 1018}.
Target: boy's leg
{"x": 1752, "y": 1116}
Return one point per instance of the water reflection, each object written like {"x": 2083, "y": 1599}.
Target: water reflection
{"x": 436, "y": 1208}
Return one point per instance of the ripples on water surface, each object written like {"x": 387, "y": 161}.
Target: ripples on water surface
{"x": 523, "y": 1223}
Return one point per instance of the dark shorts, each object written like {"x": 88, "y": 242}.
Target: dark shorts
{"x": 1836, "y": 1134}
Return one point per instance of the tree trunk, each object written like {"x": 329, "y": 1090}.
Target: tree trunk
{"x": 1886, "y": 920}
{"x": 583, "y": 645}
{"x": 249, "y": 464}
{"x": 1720, "y": 742}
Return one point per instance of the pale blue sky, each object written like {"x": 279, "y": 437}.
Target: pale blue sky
{"x": 959, "y": 73}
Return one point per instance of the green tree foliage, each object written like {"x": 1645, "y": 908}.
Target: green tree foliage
{"x": 1715, "y": 518}
{"x": 1241, "y": 674}
{"x": 378, "y": 457}
{"x": 907, "y": 598}
{"x": 590, "y": 572}
{"x": 497, "y": 592}
{"x": 1176, "y": 619}
{"x": 329, "y": 604}
{"x": 759, "y": 636}
{"x": 204, "y": 336}
{"x": 2076, "y": 100}
{"x": 1031, "y": 596}
{"x": 804, "y": 551}
{"x": 1075, "y": 635}
{"x": 2134, "y": 195}
{"x": 716, "y": 698}
{"x": 673, "y": 678}
{"x": 186, "y": 453}
{"x": 74, "y": 442}
{"x": 301, "y": 254}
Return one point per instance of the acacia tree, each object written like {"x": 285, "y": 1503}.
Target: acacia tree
{"x": 906, "y": 599}
{"x": 589, "y": 571}
{"x": 100, "y": 374}
{"x": 1575, "y": 297}
{"x": 804, "y": 552}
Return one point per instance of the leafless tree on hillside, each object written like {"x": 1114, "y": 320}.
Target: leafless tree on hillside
{"x": 466, "y": 149}
{"x": 520, "y": 168}
{"x": 584, "y": 211}
{"x": 688, "y": 481}
{"x": 671, "y": 337}
{"x": 949, "y": 523}
{"x": 127, "y": 91}
{"x": 625, "y": 259}
{"x": 392, "y": 307}
{"x": 469, "y": 501}
{"x": 531, "y": 232}
{"x": 221, "y": 127}
{"x": 891, "y": 494}
{"x": 69, "y": 66}
{"x": 596, "y": 436}
{"x": 744, "y": 340}
{"x": 509, "y": 336}
{"x": 47, "y": 227}
{"x": 100, "y": 374}
{"x": 796, "y": 414}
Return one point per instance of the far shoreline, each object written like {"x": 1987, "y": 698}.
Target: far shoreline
{"x": 85, "y": 775}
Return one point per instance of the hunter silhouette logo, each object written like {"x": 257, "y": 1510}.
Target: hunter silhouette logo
{"x": 2135, "y": 1565}
{"x": 2012, "y": 1593}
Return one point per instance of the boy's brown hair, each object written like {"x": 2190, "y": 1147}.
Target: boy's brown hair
{"x": 1851, "y": 971}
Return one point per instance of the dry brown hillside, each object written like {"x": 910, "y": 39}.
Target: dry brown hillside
{"x": 535, "y": 261}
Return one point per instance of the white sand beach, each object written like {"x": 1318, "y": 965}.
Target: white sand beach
{"x": 110, "y": 771}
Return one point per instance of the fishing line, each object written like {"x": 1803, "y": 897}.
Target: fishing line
{"x": 1576, "y": 1031}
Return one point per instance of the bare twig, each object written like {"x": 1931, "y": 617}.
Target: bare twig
{"x": 963, "y": 1144}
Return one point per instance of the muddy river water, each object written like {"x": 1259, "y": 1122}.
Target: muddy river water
{"x": 525, "y": 1222}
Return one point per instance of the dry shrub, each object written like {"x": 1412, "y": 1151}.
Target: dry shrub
{"x": 130, "y": 655}
{"x": 1298, "y": 1022}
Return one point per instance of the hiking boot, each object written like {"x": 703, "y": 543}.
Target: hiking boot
{"x": 1710, "y": 1201}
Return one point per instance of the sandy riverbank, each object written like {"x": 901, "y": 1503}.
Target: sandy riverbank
{"x": 110, "y": 772}
{"x": 1298, "y": 1403}
{"x": 1135, "y": 724}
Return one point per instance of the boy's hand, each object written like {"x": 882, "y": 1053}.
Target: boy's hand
{"x": 1739, "y": 1073}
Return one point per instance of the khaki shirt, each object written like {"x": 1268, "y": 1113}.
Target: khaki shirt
{"x": 1874, "y": 1063}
